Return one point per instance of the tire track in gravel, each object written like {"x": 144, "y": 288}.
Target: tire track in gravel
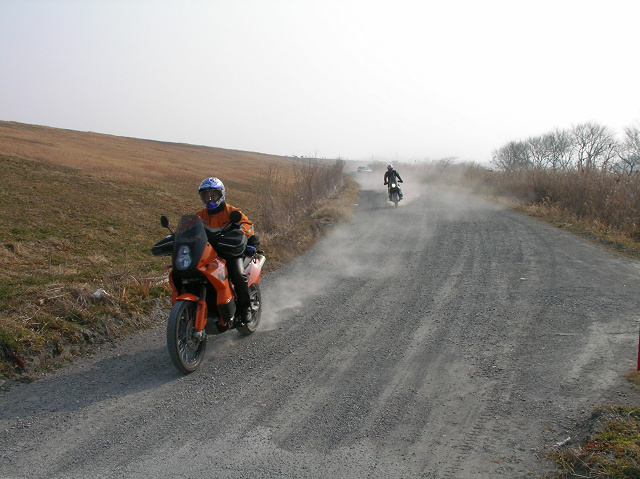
{"x": 445, "y": 338}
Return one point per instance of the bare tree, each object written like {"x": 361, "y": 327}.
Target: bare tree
{"x": 538, "y": 152}
{"x": 629, "y": 150}
{"x": 444, "y": 163}
{"x": 513, "y": 156}
{"x": 593, "y": 146}
{"x": 551, "y": 150}
{"x": 558, "y": 149}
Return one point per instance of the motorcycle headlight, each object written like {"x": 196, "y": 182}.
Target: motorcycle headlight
{"x": 183, "y": 258}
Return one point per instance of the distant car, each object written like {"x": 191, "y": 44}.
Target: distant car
{"x": 364, "y": 169}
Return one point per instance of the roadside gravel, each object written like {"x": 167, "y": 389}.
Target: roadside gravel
{"x": 446, "y": 338}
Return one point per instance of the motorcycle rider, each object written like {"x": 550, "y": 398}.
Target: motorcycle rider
{"x": 215, "y": 215}
{"x": 390, "y": 176}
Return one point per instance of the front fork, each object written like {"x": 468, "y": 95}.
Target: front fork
{"x": 201, "y": 314}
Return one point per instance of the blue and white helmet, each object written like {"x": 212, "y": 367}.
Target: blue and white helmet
{"x": 212, "y": 193}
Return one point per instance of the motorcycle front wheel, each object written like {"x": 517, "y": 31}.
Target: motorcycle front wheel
{"x": 256, "y": 298}
{"x": 186, "y": 350}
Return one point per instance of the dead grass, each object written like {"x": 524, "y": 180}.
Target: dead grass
{"x": 303, "y": 233}
{"x": 598, "y": 206}
{"x": 131, "y": 159}
{"x": 588, "y": 228}
{"x": 611, "y": 450}
{"x": 79, "y": 213}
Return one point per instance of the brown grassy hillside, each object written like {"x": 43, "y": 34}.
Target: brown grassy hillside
{"x": 79, "y": 212}
{"x": 133, "y": 160}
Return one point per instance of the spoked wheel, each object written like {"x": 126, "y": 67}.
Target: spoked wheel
{"x": 185, "y": 349}
{"x": 256, "y": 298}
{"x": 395, "y": 198}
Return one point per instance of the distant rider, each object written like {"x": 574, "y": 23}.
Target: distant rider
{"x": 215, "y": 215}
{"x": 390, "y": 176}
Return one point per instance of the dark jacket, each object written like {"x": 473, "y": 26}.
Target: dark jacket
{"x": 390, "y": 176}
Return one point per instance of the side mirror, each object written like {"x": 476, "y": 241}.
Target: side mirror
{"x": 235, "y": 217}
{"x": 165, "y": 223}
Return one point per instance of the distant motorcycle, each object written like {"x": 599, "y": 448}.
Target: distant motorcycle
{"x": 394, "y": 193}
{"x": 203, "y": 298}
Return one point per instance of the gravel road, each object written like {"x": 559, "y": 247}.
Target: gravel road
{"x": 447, "y": 338}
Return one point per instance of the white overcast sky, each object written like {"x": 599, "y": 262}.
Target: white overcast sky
{"x": 396, "y": 79}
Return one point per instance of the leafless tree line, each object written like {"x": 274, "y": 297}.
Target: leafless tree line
{"x": 286, "y": 198}
{"x": 584, "y": 172}
{"x": 584, "y": 147}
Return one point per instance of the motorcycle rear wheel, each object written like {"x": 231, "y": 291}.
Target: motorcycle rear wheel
{"x": 256, "y": 298}
{"x": 185, "y": 349}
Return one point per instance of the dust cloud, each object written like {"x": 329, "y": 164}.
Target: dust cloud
{"x": 350, "y": 251}
{"x": 338, "y": 257}
{"x": 360, "y": 248}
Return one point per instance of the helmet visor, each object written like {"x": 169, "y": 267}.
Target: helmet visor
{"x": 210, "y": 196}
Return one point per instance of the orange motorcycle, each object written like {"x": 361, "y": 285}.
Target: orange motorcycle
{"x": 203, "y": 298}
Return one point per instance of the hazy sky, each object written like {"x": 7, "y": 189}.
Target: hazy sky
{"x": 350, "y": 78}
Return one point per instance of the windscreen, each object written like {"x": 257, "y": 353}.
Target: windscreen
{"x": 190, "y": 234}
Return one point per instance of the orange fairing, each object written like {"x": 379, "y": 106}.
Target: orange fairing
{"x": 213, "y": 267}
{"x": 207, "y": 256}
{"x": 216, "y": 273}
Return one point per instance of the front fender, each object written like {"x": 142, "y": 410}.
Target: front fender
{"x": 188, "y": 297}
{"x": 201, "y": 311}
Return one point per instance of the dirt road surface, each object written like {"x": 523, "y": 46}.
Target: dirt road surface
{"x": 447, "y": 338}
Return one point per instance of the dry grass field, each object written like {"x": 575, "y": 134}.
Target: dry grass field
{"x": 79, "y": 212}
{"x": 133, "y": 160}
